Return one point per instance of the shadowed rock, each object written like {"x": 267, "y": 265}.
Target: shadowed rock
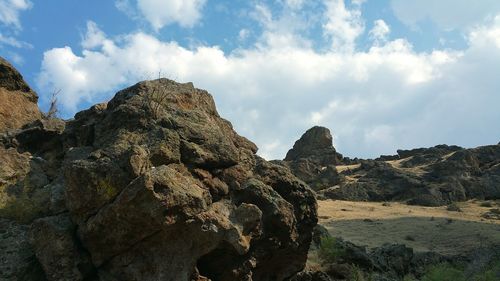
{"x": 313, "y": 158}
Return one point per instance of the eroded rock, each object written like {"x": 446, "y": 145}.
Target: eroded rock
{"x": 19, "y": 102}
{"x": 154, "y": 185}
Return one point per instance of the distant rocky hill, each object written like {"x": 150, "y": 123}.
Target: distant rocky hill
{"x": 426, "y": 176}
{"x": 153, "y": 185}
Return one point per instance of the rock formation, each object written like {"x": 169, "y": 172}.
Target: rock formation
{"x": 313, "y": 158}
{"x": 18, "y": 102}
{"x": 153, "y": 185}
{"x": 425, "y": 176}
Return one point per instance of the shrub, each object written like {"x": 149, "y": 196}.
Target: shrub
{"x": 358, "y": 275}
{"x": 330, "y": 250}
{"x": 453, "y": 207}
{"x": 444, "y": 272}
{"x": 486, "y": 204}
{"x": 53, "y": 108}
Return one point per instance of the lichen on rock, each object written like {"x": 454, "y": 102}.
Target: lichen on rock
{"x": 153, "y": 185}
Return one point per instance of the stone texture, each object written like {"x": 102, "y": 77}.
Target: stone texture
{"x": 19, "y": 102}
{"x": 313, "y": 159}
{"x": 153, "y": 185}
{"x": 432, "y": 176}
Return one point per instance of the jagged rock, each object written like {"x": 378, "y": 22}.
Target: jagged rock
{"x": 430, "y": 177}
{"x": 23, "y": 195}
{"x": 19, "y": 102}
{"x": 313, "y": 157}
{"x": 429, "y": 153}
{"x": 154, "y": 185}
{"x": 393, "y": 258}
{"x": 316, "y": 143}
{"x": 17, "y": 260}
{"x": 57, "y": 249}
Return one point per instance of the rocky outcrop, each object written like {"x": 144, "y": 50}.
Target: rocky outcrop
{"x": 19, "y": 102}
{"x": 387, "y": 262}
{"x": 153, "y": 185}
{"x": 425, "y": 176}
{"x": 313, "y": 159}
{"x": 431, "y": 177}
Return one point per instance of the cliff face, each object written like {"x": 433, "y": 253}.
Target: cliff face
{"x": 153, "y": 185}
{"x": 18, "y": 102}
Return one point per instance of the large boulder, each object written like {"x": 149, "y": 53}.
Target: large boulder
{"x": 176, "y": 186}
{"x": 18, "y": 105}
{"x": 153, "y": 185}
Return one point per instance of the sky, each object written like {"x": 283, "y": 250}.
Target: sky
{"x": 382, "y": 75}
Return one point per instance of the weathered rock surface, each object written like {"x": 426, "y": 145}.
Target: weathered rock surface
{"x": 19, "y": 102}
{"x": 313, "y": 158}
{"x": 425, "y": 176}
{"x": 153, "y": 185}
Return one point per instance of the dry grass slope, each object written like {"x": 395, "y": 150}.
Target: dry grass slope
{"x": 422, "y": 228}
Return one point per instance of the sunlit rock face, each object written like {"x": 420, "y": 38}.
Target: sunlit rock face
{"x": 18, "y": 105}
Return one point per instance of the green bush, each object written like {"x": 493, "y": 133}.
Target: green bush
{"x": 444, "y": 272}
{"x": 358, "y": 275}
{"x": 330, "y": 250}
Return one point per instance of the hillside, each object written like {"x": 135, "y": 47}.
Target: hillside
{"x": 433, "y": 176}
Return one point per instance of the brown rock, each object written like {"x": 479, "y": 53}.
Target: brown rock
{"x": 153, "y": 185}
{"x": 18, "y": 103}
{"x": 313, "y": 157}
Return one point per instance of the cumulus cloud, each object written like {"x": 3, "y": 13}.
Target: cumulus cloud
{"x": 375, "y": 101}
{"x": 10, "y": 10}
{"x": 447, "y": 14}
{"x": 343, "y": 26}
{"x": 160, "y": 13}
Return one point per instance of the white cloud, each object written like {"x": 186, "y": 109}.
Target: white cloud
{"x": 447, "y": 14}
{"x": 160, "y": 13}
{"x": 13, "y": 42}
{"x": 295, "y": 4}
{"x": 375, "y": 101}
{"x": 343, "y": 26}
{"x": 94, "y": 36}
{"x": 379, "y": 31}
{"x": 10, "y": 9}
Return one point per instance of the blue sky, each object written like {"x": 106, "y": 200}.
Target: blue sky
{"x": 382, "y": 74}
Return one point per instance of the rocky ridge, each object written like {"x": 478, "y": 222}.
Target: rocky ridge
{"x": 153, "y": 185}
{"x": 432, "y": 176}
